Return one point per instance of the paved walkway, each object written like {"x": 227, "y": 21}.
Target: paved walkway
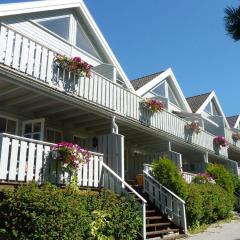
{"x": 223, "y": 231}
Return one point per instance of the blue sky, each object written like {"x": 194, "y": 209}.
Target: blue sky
{"x": 148, "y": 36}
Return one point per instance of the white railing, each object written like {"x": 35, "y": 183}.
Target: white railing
{"x": 188, "y": 177}
{"x": 112, "y": 181}
{"x": 168, "y": 203}
{"x": 25, "y": 55}
{"x": 229, "y": 136}
{"x": 175, "y": 157}
{"x": 23, "y": 159}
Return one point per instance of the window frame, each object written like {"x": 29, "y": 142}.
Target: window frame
{"x": 12, "y": 119}
{"x": 54, "y": 130}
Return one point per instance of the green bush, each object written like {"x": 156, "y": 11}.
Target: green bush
{"x": 165, "y": 171}
{"x": 207, "y": 203}
{"x": 48, "y": 212}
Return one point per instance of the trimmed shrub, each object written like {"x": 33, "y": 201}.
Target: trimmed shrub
{"x": 165, "y": 171}
{"x": 48, "y": 212}
{"x": 207, "y": 203}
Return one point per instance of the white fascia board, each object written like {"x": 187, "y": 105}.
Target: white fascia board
{"x": 166, "y": 74}
{"x": 237, "y": 122}
{"x": 46, "y": 5}
{"x": 105, "y": 45}
{"x": 209, "y": 98}
{"x": 210, "y": 121}
{"x": 38, "y": 6}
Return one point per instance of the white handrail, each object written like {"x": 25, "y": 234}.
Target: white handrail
{"x": 166, "y": 189}
{"x": 123, "y": 182}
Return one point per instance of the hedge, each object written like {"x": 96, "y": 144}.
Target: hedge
{"x": 48, "y": 212}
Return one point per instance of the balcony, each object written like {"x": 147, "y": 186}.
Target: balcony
{"x": 27, "y": 57}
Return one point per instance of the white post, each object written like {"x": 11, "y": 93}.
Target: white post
{"x": 169, "y": 146}
{"x": 114, "y": 125}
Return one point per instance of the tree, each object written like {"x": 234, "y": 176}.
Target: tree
{"x": 232, "y": 22}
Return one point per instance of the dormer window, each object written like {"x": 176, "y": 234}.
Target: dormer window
{"x": 160, "y": 90}
{"x": 172, "y": 97}
{"x": 57, "y": 25}
{"x": 212, "y": 109}
{"x": 83, "y": 42}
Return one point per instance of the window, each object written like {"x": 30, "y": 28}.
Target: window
{"x": 215, "y": 111}
{"x": 78, "y": 140}
{"x": 160, "y": 90}
{"x": 208, "y": 108}
{"x": 172, "y": 97}
{"x": 83, "y": 42}
{"x": 33, "y": 129}
{"x": 59, "y": 26}
{"x": 53, "y": 135}
{"x": 8, "y": 125}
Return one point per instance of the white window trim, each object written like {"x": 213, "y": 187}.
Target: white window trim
{"x": 41, "y": 120}
{"x": 12, "y": 119}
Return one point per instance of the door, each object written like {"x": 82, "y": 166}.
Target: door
{"x": 33, "y": 129}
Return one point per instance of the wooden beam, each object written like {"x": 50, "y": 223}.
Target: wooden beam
{"x": 86, "y": 119}
{"x": 21, "y": 99}
{"x": 8, "y": 90}
{"x": 97, "y": 124}
{"x": 52, "y": 111}
{"x": 41, "y": 104}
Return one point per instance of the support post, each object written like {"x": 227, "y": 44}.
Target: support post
{"x": 114, "y": 125}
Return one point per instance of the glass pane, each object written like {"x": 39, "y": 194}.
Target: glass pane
{"x": 58, "y": 137}
{"x": 36, "y": 136}
{"x": 3, "y": 123}
{"x": 28, "y": 135}
{"x": 172, "y": 98}
{"x": 37, "y": 127}
{"x": 11, "y": 127}
{"x": 160, "y": 90}
{"x": 28, "y": 128}
{"x": 83, "y": 42}
{"x": 215, "y": 110}
{"x": 60, "y": 26}
{"x": 50, "y": 135}
{"x": 208, "y": 109}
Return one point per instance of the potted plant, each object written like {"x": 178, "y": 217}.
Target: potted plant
{"x": 219, "y": 142}
{"x": 194, "y": 126}
{"x": 236, "y": 137}
{"x": 75, "y": 65}
{"x": 154, "y": 105}
{"x": 71, "y": 157}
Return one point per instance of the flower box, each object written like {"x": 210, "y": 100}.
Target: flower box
{"x": 154, "y": 105}
{"x": 220, "y": 141}
{"x": 236, "y": 137}
{"x": 194, "y": 126}
{"x": 75, "y": 65}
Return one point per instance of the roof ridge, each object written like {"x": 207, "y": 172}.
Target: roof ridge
{"x": 148, "y": 75}
{"x": 199, "y": 95}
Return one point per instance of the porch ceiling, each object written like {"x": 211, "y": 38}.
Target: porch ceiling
{"x": 28, "y": 104}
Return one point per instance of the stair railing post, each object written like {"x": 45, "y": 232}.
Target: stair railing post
{"x": 144, "y": 219}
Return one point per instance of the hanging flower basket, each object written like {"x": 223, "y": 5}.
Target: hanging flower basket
{"x": 203, "y": 178}
{"x": 194, "y": 126}
{"x": 154, "y": 105}
{"x": 220, "y": 141}
{"x": 236, "y": 137}
{"x": 75, "y": 65}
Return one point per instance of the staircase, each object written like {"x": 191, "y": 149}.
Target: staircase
{"x": 157, "y": 226}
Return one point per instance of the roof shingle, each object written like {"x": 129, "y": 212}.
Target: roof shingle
{"x": 140, "y": 82}
{"x": 232, "y": 120}
{"x": 195, "y": 102}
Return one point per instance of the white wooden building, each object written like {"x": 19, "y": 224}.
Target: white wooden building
{"x": 41, "y": 104}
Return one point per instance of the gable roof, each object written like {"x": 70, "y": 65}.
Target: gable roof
{"x": 140, "y": 82}
{"x": 48, "y": 5}
{"x": 233, "y": 121}
{"x": 200, "y": 102}
{"x": 145, "y": 84}
{"x": 195, "y": 102}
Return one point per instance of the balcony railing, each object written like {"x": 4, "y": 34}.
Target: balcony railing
{"x": 229, "y": 136}
{"x": 27, "y": 56}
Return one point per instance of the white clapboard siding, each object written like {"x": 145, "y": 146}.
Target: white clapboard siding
{"x": 28, "y": 56}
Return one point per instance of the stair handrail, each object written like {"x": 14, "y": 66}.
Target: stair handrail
{"x": 155, "y": 183}
{"x": 123, "y": 186}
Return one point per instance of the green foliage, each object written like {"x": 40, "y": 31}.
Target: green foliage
{"x": 48, "y": 212}
{"x": 222, "y": 177}
{"x": 165, "y": 171}
{"x": 207, "y": 203}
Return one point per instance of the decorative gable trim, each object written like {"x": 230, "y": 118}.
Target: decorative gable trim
{"x": 47, "y": 5}
{"x": 156, "y": 81}
{"x": 207, "y": 101}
